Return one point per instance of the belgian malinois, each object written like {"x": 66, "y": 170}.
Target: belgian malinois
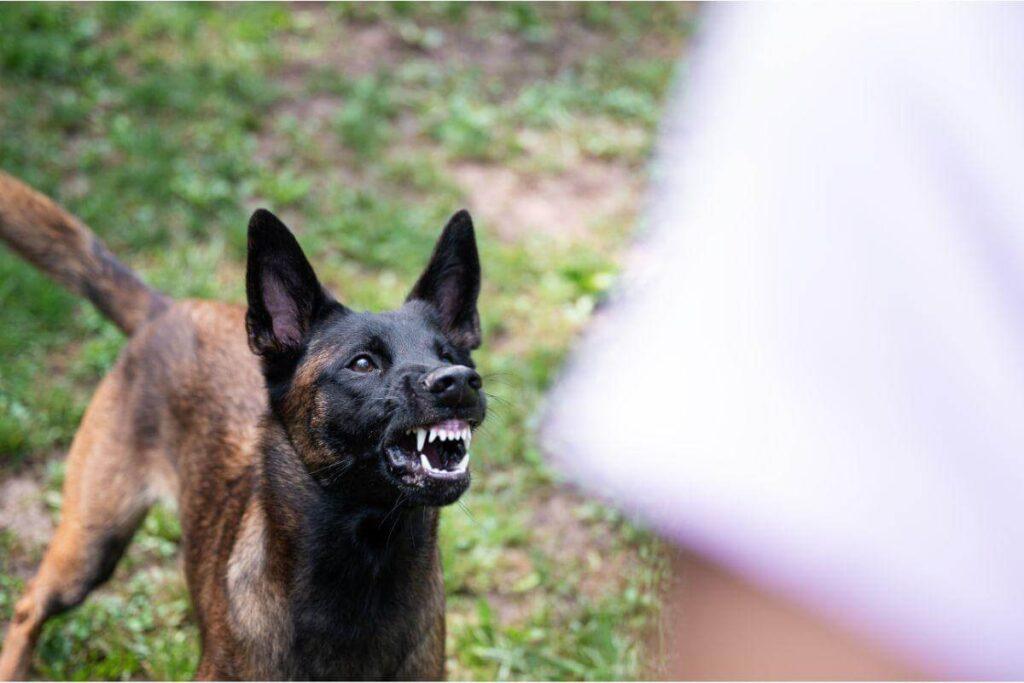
{"x": 308, "y": 447}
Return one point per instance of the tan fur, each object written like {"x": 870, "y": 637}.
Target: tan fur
{"x": 140, "y": 439}
{"x": 97, "y": 462}
{"x": 258, "y": 609}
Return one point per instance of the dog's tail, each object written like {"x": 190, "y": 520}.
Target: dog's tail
{"x": 66, "y": 250}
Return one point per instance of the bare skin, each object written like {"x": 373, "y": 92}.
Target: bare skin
{"x": 721, "y": 627}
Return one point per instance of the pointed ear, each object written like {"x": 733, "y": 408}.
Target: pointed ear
{"x": 284, "y": 295}
{"x": 451, "y": 282}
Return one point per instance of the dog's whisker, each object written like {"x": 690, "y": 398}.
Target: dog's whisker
{"x": 500, "y": 399}
{"x": 488, "y": 375}
{"x": 398, "y": 502}
{"x": 501, "y": 381}
{"x": 336, "y": 476}
{"x": 327, "y": 467}
{"x": 494, "y": 414}
{"x": 469, "y": 515}
{"x": 394, "y": 524}
{"x": 384, "y": 397}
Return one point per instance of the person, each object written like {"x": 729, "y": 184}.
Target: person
{"x": 811, "y": 379}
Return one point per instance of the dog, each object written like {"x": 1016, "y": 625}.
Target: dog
{"x": 308, "y": 447}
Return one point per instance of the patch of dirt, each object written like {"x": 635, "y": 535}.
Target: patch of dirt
{"x": 355, "y": 48}
{"x": 566, "y": 538}
{"x": 570, "y": 203}
{"x": 313, "y": 108}
{"x": 513, "y": 607}
{"x": 362, "y": 49}
{"x": 579, "y": 548}
{"x": 366, "y": 47}
{"x": 588, "y": 193}
{"x": 26, "y": 517}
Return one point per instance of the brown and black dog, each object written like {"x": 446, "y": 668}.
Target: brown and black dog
{"x": 308, "y": 447}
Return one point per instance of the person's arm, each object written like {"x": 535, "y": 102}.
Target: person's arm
{"x": 719, "y": 626}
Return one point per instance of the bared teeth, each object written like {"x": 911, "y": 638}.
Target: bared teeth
{"x": 458, "y": 469}
{"x": 426, "y": 435}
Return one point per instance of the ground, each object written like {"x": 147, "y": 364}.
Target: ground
{"x": 364, "y": 127}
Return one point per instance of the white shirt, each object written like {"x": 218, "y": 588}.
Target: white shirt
{"x": 815, "y": 371}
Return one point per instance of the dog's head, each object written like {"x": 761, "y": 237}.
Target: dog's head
{"x": 381, "y": 404}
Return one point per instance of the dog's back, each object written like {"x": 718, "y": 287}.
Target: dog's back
{"x": 175, "y": 418}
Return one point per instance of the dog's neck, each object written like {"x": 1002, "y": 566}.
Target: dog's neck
{"x": 317, "y": 528}
{"x": 350, "y": 569}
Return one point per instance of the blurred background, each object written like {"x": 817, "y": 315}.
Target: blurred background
{"x": 364, "y": 127}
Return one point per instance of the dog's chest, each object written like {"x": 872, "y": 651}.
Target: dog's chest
{"x": 338, "y": 620}
{"x": 381, "y": 641}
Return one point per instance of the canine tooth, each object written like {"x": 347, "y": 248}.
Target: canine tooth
{"x": 468, "y": 437}
{"x": 424, "y": 462}
{"x": 421, "y": 438}
{"x": 463, "y": 464}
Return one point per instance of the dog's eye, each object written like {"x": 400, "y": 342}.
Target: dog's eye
{"x": 447, "y": 357}
{"x": 363, "y": 364}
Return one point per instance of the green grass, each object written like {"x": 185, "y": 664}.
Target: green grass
{"x": 164, "y": 126}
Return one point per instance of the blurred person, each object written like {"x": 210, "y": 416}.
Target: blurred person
{"x": 812, "y": 378}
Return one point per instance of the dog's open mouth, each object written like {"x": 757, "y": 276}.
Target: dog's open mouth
{"x": 438, "y": 451}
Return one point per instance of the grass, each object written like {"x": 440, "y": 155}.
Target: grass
{"x": 163, "y": 126}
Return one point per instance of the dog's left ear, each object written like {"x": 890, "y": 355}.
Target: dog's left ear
{"x": 451, "y": 282}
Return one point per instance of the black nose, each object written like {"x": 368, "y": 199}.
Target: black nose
{"x": 454, "y": 386}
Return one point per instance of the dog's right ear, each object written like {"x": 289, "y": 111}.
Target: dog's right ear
{"x": 285, "y": 297}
